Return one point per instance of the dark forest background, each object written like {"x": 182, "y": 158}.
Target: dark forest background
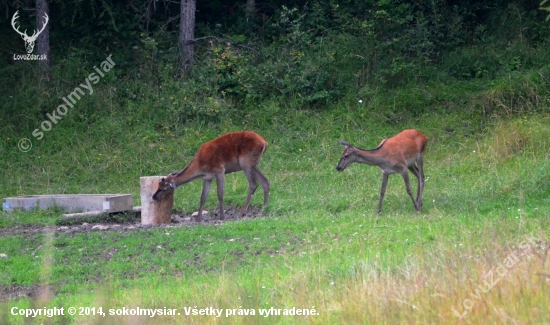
{"x": 481, "y": 57}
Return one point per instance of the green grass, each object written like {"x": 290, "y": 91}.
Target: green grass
{"x": 320, "y": 265}
{"x": 319, "y": 245}
{"x": 38, "y": 217}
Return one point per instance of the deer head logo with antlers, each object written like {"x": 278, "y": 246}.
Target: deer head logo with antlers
{"x": 29, "y": 40}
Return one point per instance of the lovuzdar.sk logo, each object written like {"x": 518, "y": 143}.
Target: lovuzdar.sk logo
{"x": 29, "y": 40}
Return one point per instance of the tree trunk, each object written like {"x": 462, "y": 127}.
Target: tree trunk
{"x": 250, "y": 7}
{"x": 187, "y": 32}
{"x": 154, "y": 212}
{"x": 43, "y": 40}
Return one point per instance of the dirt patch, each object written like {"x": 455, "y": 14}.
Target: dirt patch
{"x": 84, "y": 225}
{"x": 33, "y": 292}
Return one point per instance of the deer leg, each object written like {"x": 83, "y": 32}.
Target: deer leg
{"x": 409, "y": 191}
{"x": 252, "y": 185}
{"x": 205, "y": 189}
{"x": 416, "y": 173}
{"x": 264, "y": 182}
{"x": 220, "y": 181}
{"x": 421, "y": 180}
{"x": 382, "y": 192}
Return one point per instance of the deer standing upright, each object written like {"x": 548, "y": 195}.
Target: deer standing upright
{"x": 229, "y": 153}
{"x": 394, "y": 155}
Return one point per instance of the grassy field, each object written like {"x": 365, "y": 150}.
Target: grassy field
{"x": 477, "y": 254}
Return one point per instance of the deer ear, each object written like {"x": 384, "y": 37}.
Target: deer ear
{"x": 173, "y": 185}
{"x": 344, "y": 143}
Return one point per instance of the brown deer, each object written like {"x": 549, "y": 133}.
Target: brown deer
{"x": 394, "y": 155}
{"x": 229, "y": 153}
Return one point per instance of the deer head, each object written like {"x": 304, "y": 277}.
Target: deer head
{"x": 166, "y": 185}
{"x": 29, "y": 40}
{"x": 347, "y": 156}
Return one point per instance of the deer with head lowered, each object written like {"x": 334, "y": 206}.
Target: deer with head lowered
{"x": 394, "y": 155}
{"x": 229, "y": 153}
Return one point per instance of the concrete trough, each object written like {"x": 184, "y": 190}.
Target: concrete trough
{"x": 107, "y": 203}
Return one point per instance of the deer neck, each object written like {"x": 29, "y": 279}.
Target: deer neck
{"x": 370, "y": 157}
{"x": 190, "y": 173}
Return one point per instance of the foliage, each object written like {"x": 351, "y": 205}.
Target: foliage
{"x": 308, "y": 53}
{"x": 547, "y": 8}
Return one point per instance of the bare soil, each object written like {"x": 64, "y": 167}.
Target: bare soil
{"x": 178, "y": 220}
{"x": 33, "y": 292}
